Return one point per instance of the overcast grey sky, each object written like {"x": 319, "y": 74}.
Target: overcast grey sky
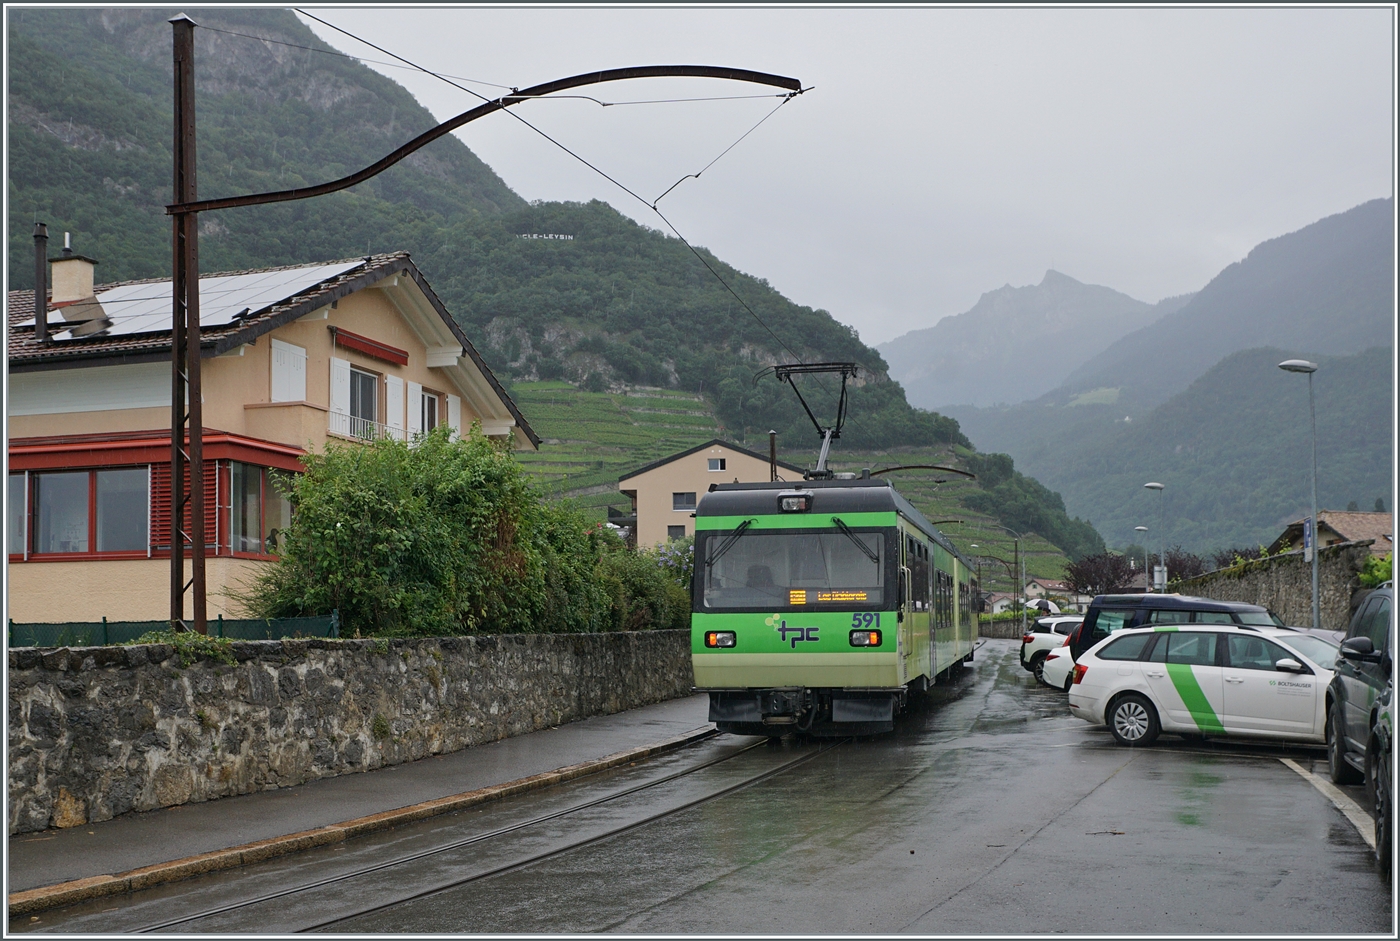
{"x": 942, "y": 152}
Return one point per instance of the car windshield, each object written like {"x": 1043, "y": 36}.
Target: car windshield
{"x": 778, "y": 570}
{"x": 1259, "y": 618}
{"x": 1318, "y": 650}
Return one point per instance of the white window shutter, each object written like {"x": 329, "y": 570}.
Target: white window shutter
{"x": 393, "y": 401}
{"x": 415, "y": 409}
{"x": 454, "y": 415}
{"x": 340, "y": 386}
{"x": 288, "y": 372}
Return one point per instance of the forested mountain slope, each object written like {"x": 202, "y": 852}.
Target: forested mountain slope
{"x": 1234, "y": 451}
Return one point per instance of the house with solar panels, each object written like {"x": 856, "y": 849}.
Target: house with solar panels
{"x": 292, "y": 358}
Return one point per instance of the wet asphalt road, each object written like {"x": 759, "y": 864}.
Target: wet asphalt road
{"x": 988, "y": 810}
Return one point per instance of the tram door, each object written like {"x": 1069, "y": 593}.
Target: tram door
{"x": 921, "y": 655}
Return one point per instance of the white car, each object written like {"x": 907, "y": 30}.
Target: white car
{"x": 1205, "y": 679}
{"x": 1046, "y": 634}
{"x": 1057, "y": 670}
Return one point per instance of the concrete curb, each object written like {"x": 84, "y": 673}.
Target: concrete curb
{"x": 80, "y": 890}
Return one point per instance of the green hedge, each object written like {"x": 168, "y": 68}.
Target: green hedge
{"x": 449, "y": 537}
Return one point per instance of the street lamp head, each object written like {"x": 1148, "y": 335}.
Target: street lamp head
{"x": 1155, "y": 486}
{"x": 1297, "y": 365}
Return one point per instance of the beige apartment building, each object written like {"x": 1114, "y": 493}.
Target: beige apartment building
{"x": 292, "y": 358}
{"x": 665, "y": 493}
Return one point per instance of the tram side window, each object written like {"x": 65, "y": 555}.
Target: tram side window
{"x": 919, "y": 569}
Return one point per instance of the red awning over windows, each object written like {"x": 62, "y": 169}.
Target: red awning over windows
{"x": 60, "y": 452}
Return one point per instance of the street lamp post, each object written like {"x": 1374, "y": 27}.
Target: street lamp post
{"x": 979, "y": 589}
{"x": 1010, "y": 569}
{"x": 1018, "y": 569}
{"x": 1162, "y": 558}
{"x": 1303, "y": 366}
{"x": 1143, "y": 530}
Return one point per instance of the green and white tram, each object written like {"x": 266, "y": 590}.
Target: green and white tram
{"x": 821, "y": 606}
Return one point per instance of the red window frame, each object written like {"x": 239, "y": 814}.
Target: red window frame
{"x": 226, "y": 512}
{"x": 29, "y": 554}
{"x": 151, "y": 449}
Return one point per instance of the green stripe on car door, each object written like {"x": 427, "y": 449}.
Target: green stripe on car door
{"x": 1194, "y": 698}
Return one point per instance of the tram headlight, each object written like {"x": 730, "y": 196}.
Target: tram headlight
{"x": 719, "y": 639}
{"x": 795, "y": 501}
{"x": 866, "y": 638}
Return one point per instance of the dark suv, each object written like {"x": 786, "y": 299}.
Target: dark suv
{"x": 1354, "y": 698}
{"x": 1109, "y": 614}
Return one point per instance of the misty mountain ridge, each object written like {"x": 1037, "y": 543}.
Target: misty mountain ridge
{"x": 1195, "y": 399}
{"x": 1326, "y": 288}
{"x": 1016, "y": 343}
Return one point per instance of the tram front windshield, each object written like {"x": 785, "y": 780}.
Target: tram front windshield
{"x": 784, "y": 570}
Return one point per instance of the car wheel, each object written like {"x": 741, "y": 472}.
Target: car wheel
{"x": 1133, "y": 721}
{"x": 1038, "y": 668}
{"x": 1379, "y": 766}
{"x": 1337, "y": 768}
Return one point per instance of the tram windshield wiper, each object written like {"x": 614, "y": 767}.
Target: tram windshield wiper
{"x": 860, "y": 544}
{"x": 725, "y": 546}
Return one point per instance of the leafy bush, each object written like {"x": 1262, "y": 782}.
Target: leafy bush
{"x": 1182, "y": 564}
{"x": 644, "y": 594}
{"x": 677, "y": 557}
{"x": 1225, "y": 558}
{"x": 448, "y": 537}
{"x": 1376, "y": 571}
{"x": 190, "y": 646}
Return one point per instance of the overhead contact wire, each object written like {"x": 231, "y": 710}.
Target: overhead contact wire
{"x": 595, "y": 169}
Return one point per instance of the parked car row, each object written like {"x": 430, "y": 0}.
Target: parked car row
{"x": 1045, "y": 635}
{"x": 1194, "y": 667}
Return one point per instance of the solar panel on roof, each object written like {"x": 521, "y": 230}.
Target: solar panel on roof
{"x": 223, "y": 299}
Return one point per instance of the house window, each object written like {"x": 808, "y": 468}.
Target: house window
{"x": 675, "y": 532}
{"x": 123, "y": 509}
{"x": 717, "y": 463}
{"x": 61, "y": 512}
{"x": 245, "y": 517}
{"x": 430, "y": 411}
{"x": 683, "y": 501}
{"x": 91, "y": 511}
{"x": 259, "y": 510}
{"x": 15, "y": 507}
{"x": 364, "y": 409}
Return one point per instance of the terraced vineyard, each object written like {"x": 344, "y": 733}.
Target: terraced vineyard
{"x": 942, "y": 504}
{"x": 593, "y": 438}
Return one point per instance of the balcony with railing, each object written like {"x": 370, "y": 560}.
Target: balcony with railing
{"x": 345, "y": 425}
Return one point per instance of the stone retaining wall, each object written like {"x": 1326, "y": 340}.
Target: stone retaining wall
{"x": 1283, "y": 584}
{"x": 100, "y": 731}
{"x": 1004, "y": 629}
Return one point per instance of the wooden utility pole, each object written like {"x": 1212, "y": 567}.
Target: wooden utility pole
{"x": 186, "y": 409}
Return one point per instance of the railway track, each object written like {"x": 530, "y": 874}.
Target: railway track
{"x": 344, "y": 881}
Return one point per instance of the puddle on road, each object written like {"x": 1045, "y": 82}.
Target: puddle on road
{"x": 1195, "y": 797}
